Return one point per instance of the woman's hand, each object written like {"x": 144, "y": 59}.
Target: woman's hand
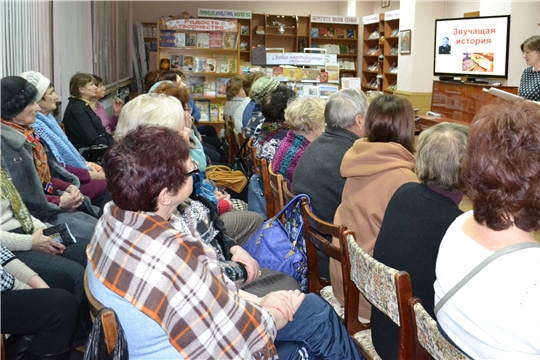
{"x": 286, "y": 302}
{"x": 94, "y": 167}
{"x": 71, "y": 199}
{"x": 117, "y": 105}
{"x": 242, "y": 256}
{"x": 96, "y": 175}
{"x": 45, "y": 244}
{"x": 37, "y": 283}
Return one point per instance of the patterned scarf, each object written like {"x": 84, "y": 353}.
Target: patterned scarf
{"x": 40, "y": 157}
{"x": 9, "y": 192}
{"x": 269, "y": 130}
{"x": 62, "y": 149}
{"x": 176, "y": 280}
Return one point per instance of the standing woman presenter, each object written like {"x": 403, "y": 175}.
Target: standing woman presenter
{"x": 529, "y": 86}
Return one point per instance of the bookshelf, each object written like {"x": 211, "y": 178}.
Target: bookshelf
{"x": 281, "y": 31}
{"x": 150, "y": 31}
{"x": 390, "y": 62}
{"x": 340, "y": 39}
{"x": 372, "y": 49}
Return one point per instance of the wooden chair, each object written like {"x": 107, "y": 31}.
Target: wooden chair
{"x": 276, "y": 183}
{"x": 287, "y": 194}
{"x": 232, "y": 139}
{"x": 384, "y": 287}
{"x": 108, "y": 317}
{"x": 260, "y": 167}
{"x": 429, "y": 341}
{"x": 315, "y": 231}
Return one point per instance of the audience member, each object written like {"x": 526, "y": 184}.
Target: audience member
{"x": 235, "y": 97}
{"x": 495, "y": 315}
{"x": 261, "y": 88}
{"x": 273, "y": 129}
{"x": 305, "y": 119}
{"x": 236, "y": 324}
{"x": 83, "y": 126}
{"x": 374, "y": 168}
{"x": 108, "y": 122}
{"x": 245, "y": 110}
{"x": 415, "y": 221}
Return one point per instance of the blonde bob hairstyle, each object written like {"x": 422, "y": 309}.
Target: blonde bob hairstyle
{"x": 150, "y": 110}
{"x": 305, "y": 114}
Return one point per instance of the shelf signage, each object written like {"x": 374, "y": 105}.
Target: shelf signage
{"x": 203, "y": 25}
{"x": 370, "y": 19}
{"x": 300, "y": 59}
{"x": 231, "y": 14}
{"x": 391, "y": 15}
{"x": 336, "y": 19}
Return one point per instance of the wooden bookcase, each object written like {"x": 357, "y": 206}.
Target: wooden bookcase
{"x": 390, "y": 63}
{"x": 372, "y": 49}
{"x": 345, "y": 36}
{"x": 273, "y": 38}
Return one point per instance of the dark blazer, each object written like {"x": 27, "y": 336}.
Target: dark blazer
{"x": 83, "y": 126}
{"x": 445, "y": 50}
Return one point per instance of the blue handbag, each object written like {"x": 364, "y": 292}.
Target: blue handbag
{"x": 281, "y": 246}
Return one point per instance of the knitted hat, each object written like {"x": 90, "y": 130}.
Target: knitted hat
{"x": 17, "y": 94}
{"x": 262, "y": 87}
{"x": 39, "y": 81}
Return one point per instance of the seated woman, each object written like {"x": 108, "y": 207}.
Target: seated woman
{"x": 46, "y": 188}
{"x": 374, "y": 168}
{"x": 83, "y": 126}
{"x": 305, "y": 118}
{"x": 235, "y": 95}
{"x": 263, "y": 86}
{"x": 416, "y": 220}
{"x": 273, "y": 129}
{"x": 495, "y": 315}
{"x": 46, "y": 309}
{"x": 108, "y": 122}
{"x": 142, "y": 248}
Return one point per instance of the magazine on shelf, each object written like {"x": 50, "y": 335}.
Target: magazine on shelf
{"x": 204, "y": 109}
{"x": 211, "y": 65}
{"x": 314, "y": 32}
{"x": 200, "y": 64}
{"x": 323, "y": 32}
{"x": 203, "y": 40}
{"x": 180, "y": 40}
{"x": 215, "y": 39}
{"x": 191, "y": 39}
{"x": 330, "y": 32}
{"x": 340, "y": 33}
{"x": 502, "y": 94}
{"x": 221, "y": 87}
{"x": 350, "y": 34}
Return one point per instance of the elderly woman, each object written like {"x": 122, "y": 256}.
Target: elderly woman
{"x": 83, "y": 125}
{"x": 252, "y": 118}
{"x": 305, "y": 118}
{"x": 142, "y": 248}
{"x": 108, "y": 122}
{"x": 273, "y": 129}
{"x": 374, "y": 168}
{"x": 235, "y": 97}
{"x": 416, "y": 220}
{"x": 495, "y": 314}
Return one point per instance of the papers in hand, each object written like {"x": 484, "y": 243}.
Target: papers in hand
{"x": 502, "y": 94}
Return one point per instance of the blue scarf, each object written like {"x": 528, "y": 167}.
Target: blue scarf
{"x": 63, "y": 151}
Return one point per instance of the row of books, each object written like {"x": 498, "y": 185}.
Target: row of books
{"x": 330, "y": 74}
{"x": 338, "y": 33}
{"x": 376, "y": 34}
{"x": 203, "y": 40}
{"x": 209, "y": 111}
{"x": 337, "y": 49}
{"x": 200, "y": 86}
{"x": 373, "y": 51}
{"x": 189, "y": 63}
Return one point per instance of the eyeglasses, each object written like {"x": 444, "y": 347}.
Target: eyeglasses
{"x": 194, "y": 171}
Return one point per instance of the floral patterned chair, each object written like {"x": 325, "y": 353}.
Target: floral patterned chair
{"x": 429, "y": 340}
{"x": 384, "y": 287}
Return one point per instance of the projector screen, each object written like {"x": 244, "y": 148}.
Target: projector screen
{"x": 472, "y": 47}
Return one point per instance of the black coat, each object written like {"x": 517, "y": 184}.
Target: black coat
{"x": 83, "y": 125}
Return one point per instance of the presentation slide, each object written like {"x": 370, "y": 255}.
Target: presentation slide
{"x": 471, "y": 46}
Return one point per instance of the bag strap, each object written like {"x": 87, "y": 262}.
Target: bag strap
{"x": 242, "y": 148}
{"x": 290, "y": 204}
{"x": 483, "y": 264}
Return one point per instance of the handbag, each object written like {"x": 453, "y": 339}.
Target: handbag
{"x": 280, "y": 246}
{"x": 242, "y": 162}
{"x": 224, "y": 176}
{"x": 95, "y": 152}
{"x": 256, "y": 198}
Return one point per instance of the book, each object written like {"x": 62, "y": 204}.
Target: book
{"x": 323, "y": 77}
{"x": 260, "y": 30}
{"x": 200, "y": 64}
{"x": 209, "y": 88}
{"x": 220, "y": 109}
{"x": 350, "y": 34}
{"x": 340, "y": 33}
{"x": 351, "y": 83}
{"x": 233, "y": 65}
{"x": 326, "y": 91}
{"x": 215, "y": 39}
{"x": 244, "y": 29}
{"x": 244, "y": 45}
{"x": 330, "y": 33}
{"x": 203, "y": 40}
{"x": 333, "y": 72}
{"x": 223, "y": 68}
{"x": 211, "y": 65}
{"x": 167, "y": 38}
{"x": 502, "y": 94}
{"x": 322, "y": 32}
{"x": 352, "y": 49}
{"x": 165, "y": 64}
{"x": 221, "y": 87}
{"x": 310, "y": 91}
{"x": 60, "y": 233}
{"x": 204, "y": 109}
{"x": 180, "y": 40}
{"x": 301, "y": 45}
{"x": 314, "y": 32}
{"x": 229, "y": 40}
{"x": 189, "y": 63}
{"x": 191, "y": 39}
{"x": 293, "y": 74}
{"x": 311, "y": 75}
{"x": 196, "y": 85}
{"x": 176, "y": 62}
{"x": 214, "y": 112}
{"x": 343, "y": 49}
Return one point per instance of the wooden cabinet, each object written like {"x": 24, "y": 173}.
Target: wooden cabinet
{"x": 390, "y": 52}
{"x": 281, "y": 31}
{"x": 372, "y": 49}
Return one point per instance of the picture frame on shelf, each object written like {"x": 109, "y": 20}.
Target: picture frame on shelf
{"x": 405, "y": 41}
{"x": 244, "y": 29}
{"x": 385, "y": 3}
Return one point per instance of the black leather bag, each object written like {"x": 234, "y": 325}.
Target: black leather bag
{"x": 95, "y": 152}
{"x": 242, "y": 162}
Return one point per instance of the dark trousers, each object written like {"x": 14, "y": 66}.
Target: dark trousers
{"x": 49, "y": 314}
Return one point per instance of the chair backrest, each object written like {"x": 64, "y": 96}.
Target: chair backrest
{"x": 384, "y": 287}
{"x": 276, "y": 183}
{"x": 428, "y": 338}
{"x": 95, "y": 305}
{"x": 287, "y": 194}
{"x": 260, "y": 167}
{"x": 253, "y": 154}
{"x": 234, "y": 144}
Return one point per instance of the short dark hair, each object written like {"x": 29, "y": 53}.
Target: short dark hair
{"x": 79, "y": 80}
{"x": 234, "y": 85}
{"x": 144, "y": 162}
{"x": 150, "y": 79}
{"x": 97, "y": 80}
{"x": 390, "y": 118}
{"x": 274, "y": 104}
{"x": 501, "y": 170}
{"x": 532, "y": 43}
{"x": 167, "y": 75}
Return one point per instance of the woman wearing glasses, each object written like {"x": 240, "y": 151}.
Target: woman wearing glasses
{"x": 529, "y": 86}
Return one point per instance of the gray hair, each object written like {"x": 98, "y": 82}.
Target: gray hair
{"x": 440, "y": 152}
{"x": 343, "y": 106}
{"x": 150, "y": 110}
